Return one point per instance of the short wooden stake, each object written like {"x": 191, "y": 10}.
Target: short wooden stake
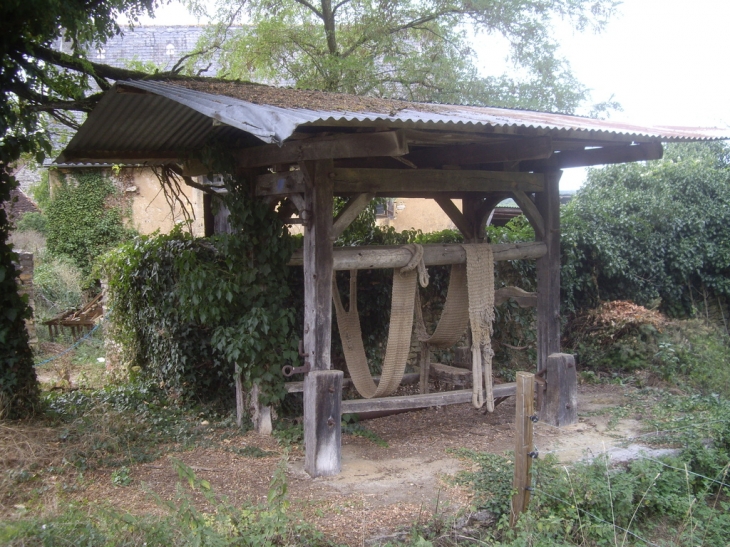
{"x": 425, "y": 363}
{"x": 322, "y": 422}
{"x": 524, "y": 408}
{"x": 561, "y": 398}
{"x": 260, "y": 415}
{"x": 239, "y": 398}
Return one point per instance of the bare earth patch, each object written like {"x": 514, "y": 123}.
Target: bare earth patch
{"x": 379, "y": 490}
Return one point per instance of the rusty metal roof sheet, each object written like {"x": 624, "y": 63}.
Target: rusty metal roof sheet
{"x": 182, "y": 115}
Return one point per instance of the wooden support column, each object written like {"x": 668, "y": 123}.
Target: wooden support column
{"x": 322, "y": 387}
{"x": 548, "y": 271}
{"x": 560, "y": 406}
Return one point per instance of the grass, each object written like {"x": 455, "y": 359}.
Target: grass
{"x": 114, "y": 427}
{"x": 182, "y": 523}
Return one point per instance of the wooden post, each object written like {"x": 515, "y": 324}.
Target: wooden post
{"x": 321, "y": 388}
{"x": 560, "y": 406}
{"x": 322, "y": 422}
{"x": 548, "y": 271}
{"x": 425, "y": 365}
{"x": 240, "y": 396}
{"x": 524, "y": 409}
{"x": 260, "y": 415}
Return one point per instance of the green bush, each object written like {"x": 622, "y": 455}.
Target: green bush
{"x": 57, "y": 285}
{"x": 32, "y": 222}
{"x": 653, "y": 233}
{"x": 192, "y": 312}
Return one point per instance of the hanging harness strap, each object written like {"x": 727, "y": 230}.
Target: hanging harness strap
{"x": 480, "y": 280}
{"x": 454, "y": 316}
{"x": 399, "y": 335}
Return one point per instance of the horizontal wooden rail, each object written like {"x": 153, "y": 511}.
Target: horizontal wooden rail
{"x": 408, "y": 402}
{"x": 397, "y": 256}
{"x": 408, "y": 380}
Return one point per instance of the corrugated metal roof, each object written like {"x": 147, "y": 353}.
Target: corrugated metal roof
{"x": 179, "y": 116}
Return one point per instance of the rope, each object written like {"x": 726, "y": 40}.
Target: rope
{"x": 416, "y": 261}
{"x": 480, "y": 282}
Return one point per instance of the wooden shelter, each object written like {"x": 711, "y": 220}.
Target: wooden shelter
{"x": 305, "y": 147}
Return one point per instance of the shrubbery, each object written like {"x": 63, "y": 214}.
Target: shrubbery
{"x": 655, "y": 233}
{"x": 189, "y": 311}
{"x": 83, "y": 222}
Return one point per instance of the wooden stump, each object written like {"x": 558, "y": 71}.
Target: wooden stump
{"x": 560, "y": 406}
{"x": 322, "y": 422}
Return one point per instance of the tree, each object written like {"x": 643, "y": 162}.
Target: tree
{"x": 34, "y": 79}
{"x": 413, "y": 49}
{"x": 654, "y": 233}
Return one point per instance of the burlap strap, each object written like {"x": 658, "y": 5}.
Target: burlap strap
{"x": 399, "y": 336}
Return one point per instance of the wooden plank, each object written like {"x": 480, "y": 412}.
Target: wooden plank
{"x": 342, "y": 145}
{"x": 530, "y": 211}
{"x": 322, "y": 423}
{"x": 524, "y": 409}
{"x": 407, "y": 402}
{"x": 349, "y": 213}
{"x": 408, "y": 380}
{"x": 606, "y": 155}
{"x": 548, "y": 272}
{"x": 433, "y": 180}
{"x": 452, "y": 211}
{"x": 280, "y": 184}
{"x": 560, "y": 404}
{"x": 396, "y": 256}
{"x": 472, "y": 154}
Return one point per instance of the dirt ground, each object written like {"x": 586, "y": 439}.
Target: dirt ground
{"x": 380, "y": 489}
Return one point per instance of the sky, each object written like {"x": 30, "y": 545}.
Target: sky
{"x": 664, "y": 61}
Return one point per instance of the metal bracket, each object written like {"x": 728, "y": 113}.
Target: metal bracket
{"x": 534, "y": 454}
{"x": 534, "y": 418}
{"x": 289, "y": 370}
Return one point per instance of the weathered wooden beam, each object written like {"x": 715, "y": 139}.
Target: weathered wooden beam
{"x": 530, "y": 211}
{"x": 433, "y": 180}
{"x": 473, "y": 154}
{"x": 343, "y": 145}
{"x": 456, "y": 216}
{"x": 322, "y": 423}
{"x": 397, "y": 256}
{"x": 408, "y": 380}
{"x": 523, "y": 298}
{"x": 560, "y": 406}
{"x": 406, "y": 402}
{"x": 322, "y": 387}
{"x": 597, "y": 156}
{"x": 548, "y": 272}
{"x": 280, "y": 184}
{"x": 349, "y": 213}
